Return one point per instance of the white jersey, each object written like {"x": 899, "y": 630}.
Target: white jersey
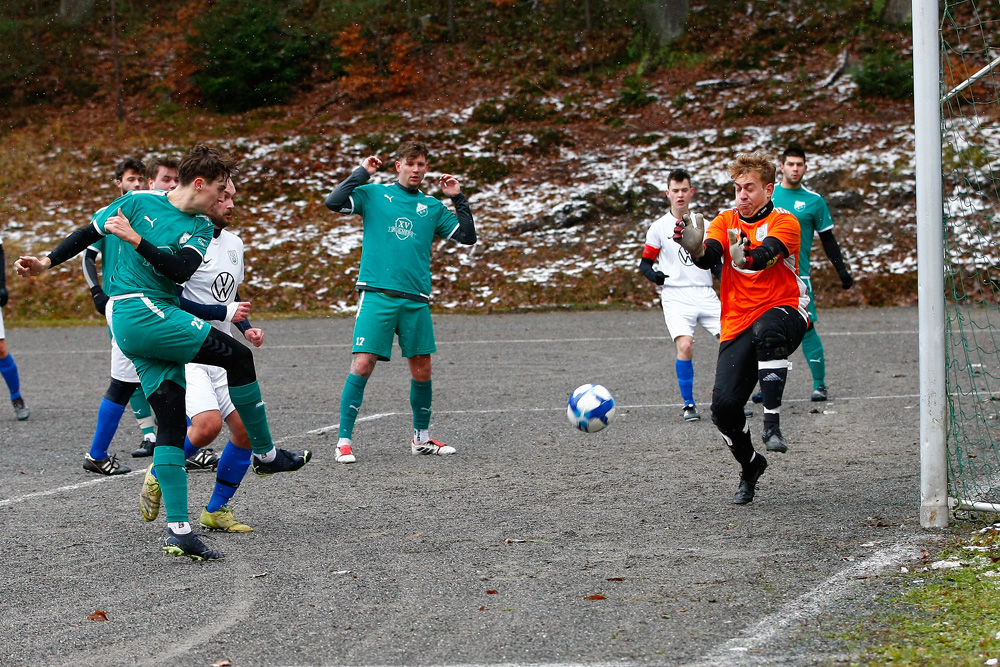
{"x": 220, "y": 273}
{"x": 673, "y": 260}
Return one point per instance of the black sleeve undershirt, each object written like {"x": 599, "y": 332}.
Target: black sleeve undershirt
{"x": 74, "y": 244}
{"x": 179, "y": 268}
{"x": 466, "y": 232}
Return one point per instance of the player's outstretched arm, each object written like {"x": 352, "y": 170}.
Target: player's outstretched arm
{"x": 69, "y": 247}
{"x": 832, "y": 250}
{"x": 339, "y": 200}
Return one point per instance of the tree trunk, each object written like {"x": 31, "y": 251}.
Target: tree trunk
{"x": 75, "y": 11}
{"x": 667, "y": 19}
{"x": 897, "y": 12}
{"x": 451, "y": 19}
{"x": 116, "y": 56}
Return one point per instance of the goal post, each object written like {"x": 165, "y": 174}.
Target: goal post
{"x": 930, "y": 264}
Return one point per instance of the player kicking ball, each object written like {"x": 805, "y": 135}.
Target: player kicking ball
{"x": 211, "y": 294}
{"x": 400, "y": 223}
{"x": 159, "y": 240}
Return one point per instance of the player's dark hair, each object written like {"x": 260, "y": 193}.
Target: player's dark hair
{"x": 759, "y": 161}
{"x": 129, "y": 164}
{"x": 154, "y": 165}
{"x": 678, "y": 176}
{"x": 208, "y": 163}
{"x": 412, "y": 150}
{"x": 793, "y": 151}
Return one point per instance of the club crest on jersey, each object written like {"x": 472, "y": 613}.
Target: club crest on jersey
{"x": 761, "y": 233}
{"x": 234, "y": 257}
{"x": 402, "y": 228}
{"x": 421, "y": 209}
{"x": 800, "y": 205}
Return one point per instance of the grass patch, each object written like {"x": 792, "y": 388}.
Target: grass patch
{"x": 947, "y": 616}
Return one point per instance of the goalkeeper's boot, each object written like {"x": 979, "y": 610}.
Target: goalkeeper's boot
{"x": 430, "y": 447}
{"x": 21, "y": 410}
{"x": 820, "y": 394}
{"x": 107, "y": 466}
{"x": 203, "y": 459}
{"x": 748, "y": 479}
{"x": 773, "y": 440}
{"x": 284, "y": 461}
{"x": 149, "y": 497}
{"x": 223, "y": 519}
{"x": 189, "y": 545}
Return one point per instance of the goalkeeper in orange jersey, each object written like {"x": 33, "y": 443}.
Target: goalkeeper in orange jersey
{"x": 763, "y": 307}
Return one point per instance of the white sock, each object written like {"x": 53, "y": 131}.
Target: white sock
{"x": 267, "y": 458}
{"x": 421, "y": 435}
{"x": 179, "y": 527}
{"x": 344, "y": 442}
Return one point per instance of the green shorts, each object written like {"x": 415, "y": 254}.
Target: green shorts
{"x": 158, "y": 337}
{"x": 380, "y": 317}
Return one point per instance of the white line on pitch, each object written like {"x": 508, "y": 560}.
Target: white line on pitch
{"x": 808, "y": 605}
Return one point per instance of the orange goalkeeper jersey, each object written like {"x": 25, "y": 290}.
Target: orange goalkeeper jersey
{"x": 746, "y": 295}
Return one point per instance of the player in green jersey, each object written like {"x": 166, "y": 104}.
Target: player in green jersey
{"x": 400, "y": 223}
{"x": 814, "y": 218}
{"x": 159, "y": 240}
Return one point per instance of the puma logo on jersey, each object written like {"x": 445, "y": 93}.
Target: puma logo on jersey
{"x": 388, "y": 197}
{"x": 149, "y": 220}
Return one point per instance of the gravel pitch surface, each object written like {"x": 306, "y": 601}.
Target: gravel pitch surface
{"x": 534, "y": 544}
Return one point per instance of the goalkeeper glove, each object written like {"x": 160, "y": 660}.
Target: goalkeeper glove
{"x": 690, "y": 233}
{"x": 738, "y": 248}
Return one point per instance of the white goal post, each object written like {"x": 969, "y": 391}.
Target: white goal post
{"x": 930, "y": 264}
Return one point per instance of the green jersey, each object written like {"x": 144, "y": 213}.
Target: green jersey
{"x": 399, "y": 228}
{"x": 160, "y": 223}
{"x": 813, "y": 214}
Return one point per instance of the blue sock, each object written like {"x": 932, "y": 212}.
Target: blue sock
{"x": 8, "y": 369}
{"x": 685, "y": 378}
{"x": 233, "y": 464}
{"x": 108, "y": 416}
{"x": 189, "y": 449}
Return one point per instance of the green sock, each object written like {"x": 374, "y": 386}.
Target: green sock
{"x": 350, "y": 404}
{"x": 420, "y": 402}
{"x": 168, "y": 463}
{"x": 812, "y": 347}
{"x": 247, "y": 401}
{"x": 143, "y": 412}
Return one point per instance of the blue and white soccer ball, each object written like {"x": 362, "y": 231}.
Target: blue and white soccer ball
{"x": 590, "y": 408}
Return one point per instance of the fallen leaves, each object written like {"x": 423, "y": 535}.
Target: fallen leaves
{"x": 98, "y": 616}
{"x": 597, "y": 596}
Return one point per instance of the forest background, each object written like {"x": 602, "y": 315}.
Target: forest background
{"x": 561, "y": 118}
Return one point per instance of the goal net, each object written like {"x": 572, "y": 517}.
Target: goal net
{"x": 970, "y": 113}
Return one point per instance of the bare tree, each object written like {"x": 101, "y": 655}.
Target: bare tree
{"x": 117, "y": 59}
{"x": 451, "y": 19}
{"x": 666, "y": 18}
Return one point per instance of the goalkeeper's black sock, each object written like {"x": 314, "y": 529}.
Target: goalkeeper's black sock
{"x": 772, "y": 376}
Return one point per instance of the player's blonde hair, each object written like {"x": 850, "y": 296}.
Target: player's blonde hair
{"x": 761, "y": 162}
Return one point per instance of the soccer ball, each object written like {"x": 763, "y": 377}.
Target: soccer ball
{"x": 590, "y": 408}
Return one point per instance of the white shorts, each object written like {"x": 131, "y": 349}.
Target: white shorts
{"x": 122, "y": 368}
{"x": 3, "y": 334}
{"x": 686, "y": 307}
{"x": 207, "y": 389}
